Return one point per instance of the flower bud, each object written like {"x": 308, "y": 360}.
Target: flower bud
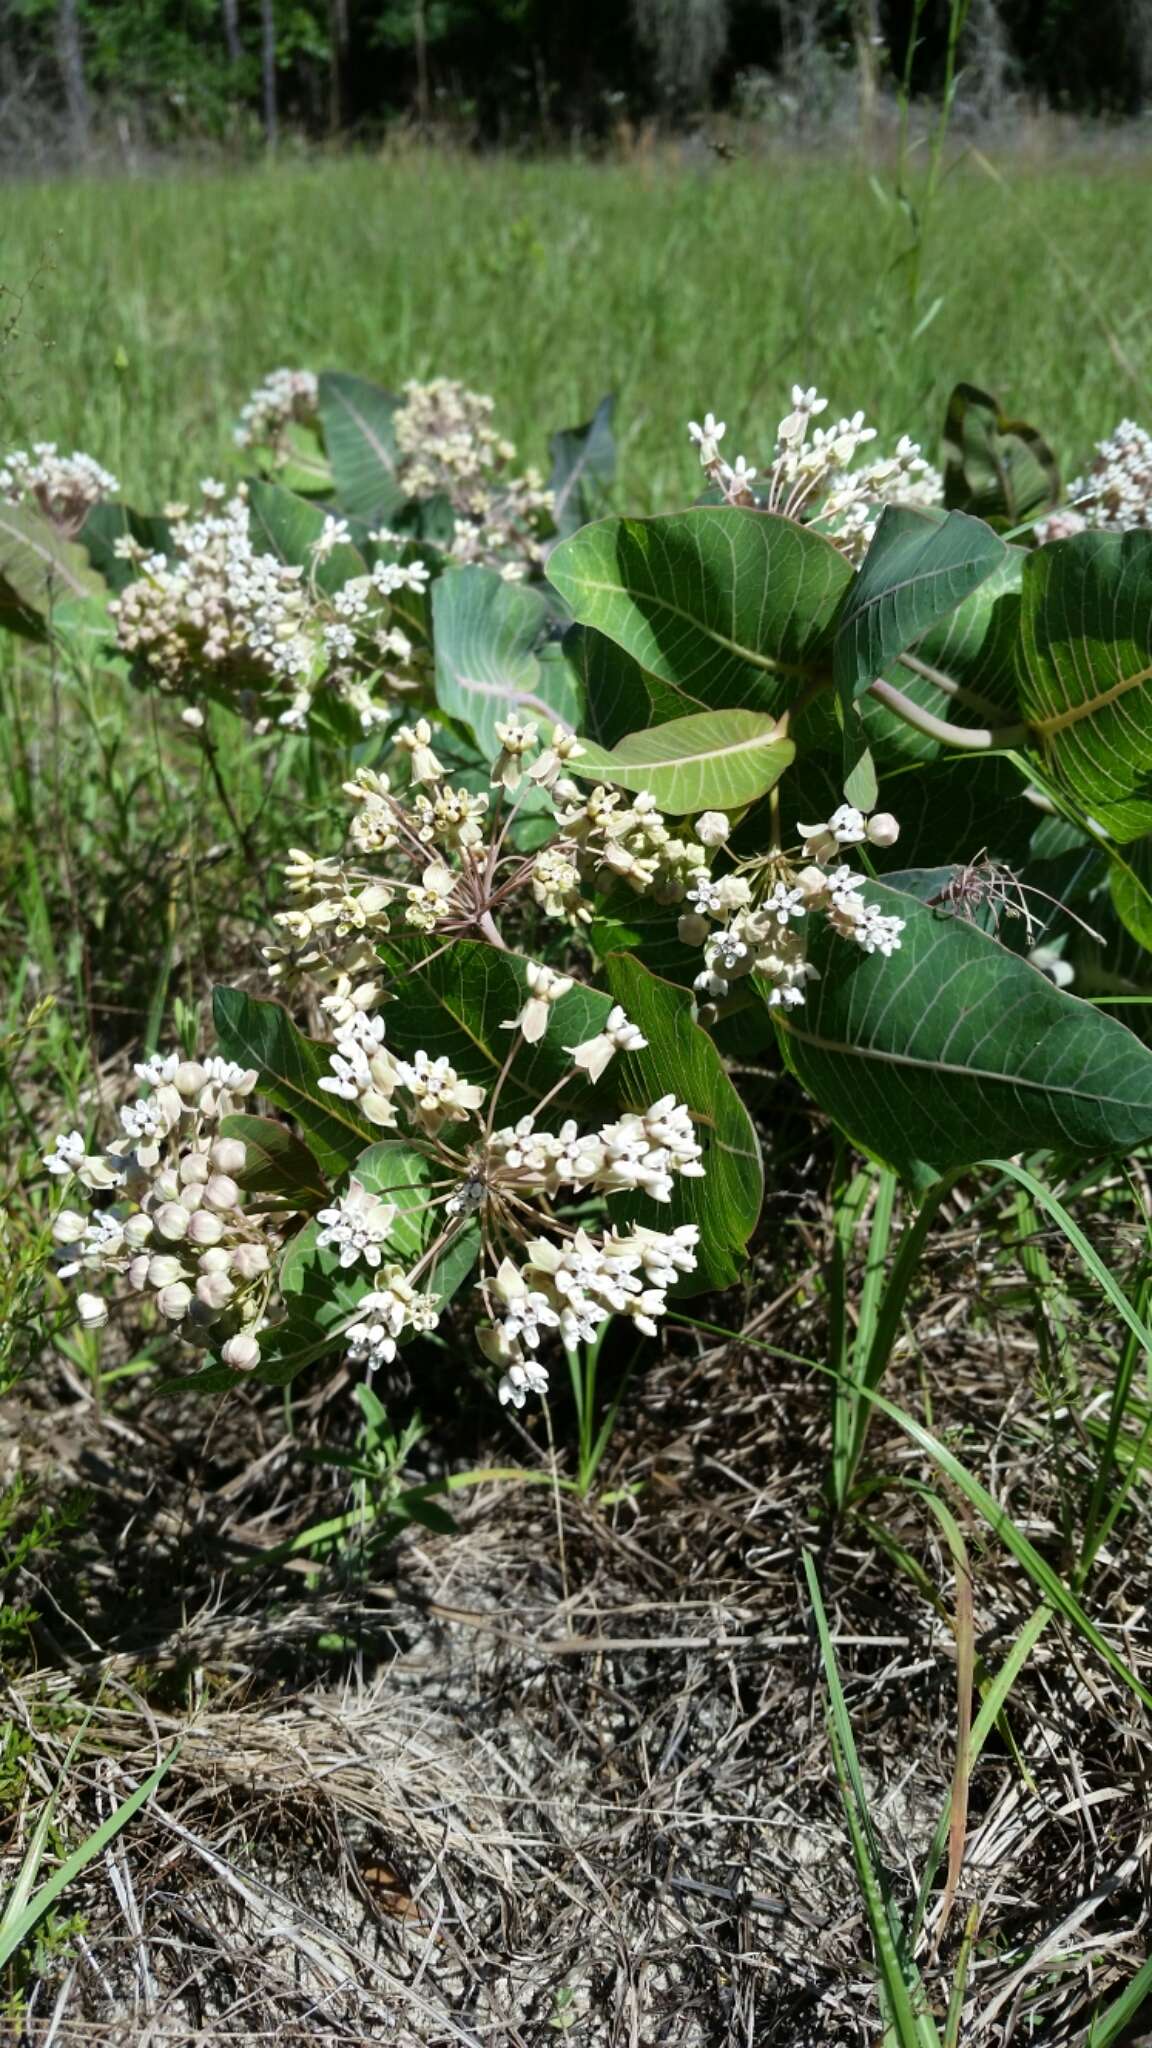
{"x": 138, "y": 1272}
{"x": 241, "y": 1352}
{"x": 221, "y": 1191}
{"x": 191, "y": 1197}
{"x": 883, "y": 829}
{"x": 205, "y": 1228}
{"x": 172, "y": 1220}
{"x": 92, "y": 1311}
{"x": 194, "y": 1167}
{"x": 189, "y": 1078}
{"x": 69, "y": 1226}
{"x": 167, "y": 1186}
{"x": 164, "y": 1270}
{"x": 250, "y": 1260}
{"x": 692, "y": 930}
{"x": 215, "y": 1290}
{"x": 229, "y": 1155}
{"x": 218, "y": 1259}
{"x": 138, "y": 1230}
{"x": 174, "y": 1301}
{"x": 712, "y": 828}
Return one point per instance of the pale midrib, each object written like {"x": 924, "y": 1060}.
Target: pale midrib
{"x": 762, "y": 743}
{"x": 511, "y": 696}
{"x": 764, "y": 661}
{"x": 1076, "y": 712}
{"x": 932, "y": 1066}
{"x": 44, "y": 554}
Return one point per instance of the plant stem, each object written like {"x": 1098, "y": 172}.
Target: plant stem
{"x": 972, "y": 739}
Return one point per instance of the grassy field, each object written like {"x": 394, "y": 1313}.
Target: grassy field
{"x": 547, "y": 284}
{"x": 568, "y": 1766}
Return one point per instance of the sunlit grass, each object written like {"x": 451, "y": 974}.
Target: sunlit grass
{"x": 547, "y": 284}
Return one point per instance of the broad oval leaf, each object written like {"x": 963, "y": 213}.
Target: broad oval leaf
{"x": 357, "y": 418}
{"x": 618, "y": 695}
{"x": 714, "y": 760}
{"x": 488, "y": 636}
{"x": 40, "y": 571}
{"x": 974, "y": 648}
{"x": 954, "y": 1050}
{"x": 680, "y": 1059}
{"x": 1086, "y": 672}
{"x": 289, "y": 527}
{"x": 996, "y": 467}
{"x": 730, "y": 606}
{"x": 918, "y": 569}
{"x": 278, "y": 1163}
{"x": 262, "y": 1035}
{"x": 583, "y": 468}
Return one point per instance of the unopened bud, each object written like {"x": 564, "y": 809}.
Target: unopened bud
{"x": 69, "y": 1226}
{"x": 883, "y": 829}
{"x": 163, "y": 1270}
{"x": 194, "y": 1167}
{"x": 205, "y": 1228}
{"x": 138, "y": 1272}
{"x": 250, "y": 1260}
{"x": 92, "y": 1311}
{"x": 221, "y": 1191}
{"x": 191, "y": 1197}
{"x": 692, "y": 930}
{"x": 190, "y": 1078}
{"x": 167, "y": 1186}
{"x": 229, "y": 1155}
{"x": 241, "y": 1352}
{"x": 172, "y": 1220}
{"x": 712, "y": 828}
{"x": 138, "y": 1229}
{"x": 215, "y": 1290}
{"x": 218, "y": 1259}
{"x": 175, "y": 1301}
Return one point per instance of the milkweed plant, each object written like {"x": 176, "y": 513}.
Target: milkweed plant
{"x": 847, "y": 766}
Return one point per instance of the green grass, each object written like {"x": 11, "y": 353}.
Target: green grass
{"x": 549, "y": 283}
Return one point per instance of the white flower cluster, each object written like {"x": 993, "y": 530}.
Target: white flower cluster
{"x": 448, "y": 446}
{"x": 218, "y": 602}
{"x": 176, "y": 1227}
{"x": 63, "y": 487}
{"x": 507, "y": 1181}
{"x": 753, "y": 922}
{"x": 445, "y": 859}
{"x": 1115, "y": 496}
{"x": 572, "y": 1288}
{"x": 285, "y": 398}
{"x": 811, "y": 477}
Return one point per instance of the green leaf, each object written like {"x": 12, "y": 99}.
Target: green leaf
{"x": 955, "y": 1049}
{"x": 360, "y": 437}
{"x": 996, "y": 467}
{"x": 456, "y": 1001}
{"x": 618, "y": 695}
{"x": 917, "y": 570}
{"x": 278, "y": 1163}
{"x": 680, "y": 1059}
{"x": 1086, "y": 671}
{"x": 583, "y": 469}
{"x": 40, "y": 571}
{"x": 289, "y": 527}
{"x": 320, "y": 1295}
{"x": 108, "y": 523}
{"x": 488, "y": 634}
{"x": 262, "y": 1035}
{"x": 1130, "y": 887}
{"x": 974, "y": 647}
{"x": 728, "y": 605}
{"x": 714, "y": 760}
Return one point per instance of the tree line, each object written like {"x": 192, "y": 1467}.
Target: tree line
{"x": 535, "y": 70}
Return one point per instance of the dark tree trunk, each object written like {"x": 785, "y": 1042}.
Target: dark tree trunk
{"x": 337, "y": 49}
{"x": 268, "y": 60}
{"x": 70, "y": 58}
{"x": 229, "y": 10}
